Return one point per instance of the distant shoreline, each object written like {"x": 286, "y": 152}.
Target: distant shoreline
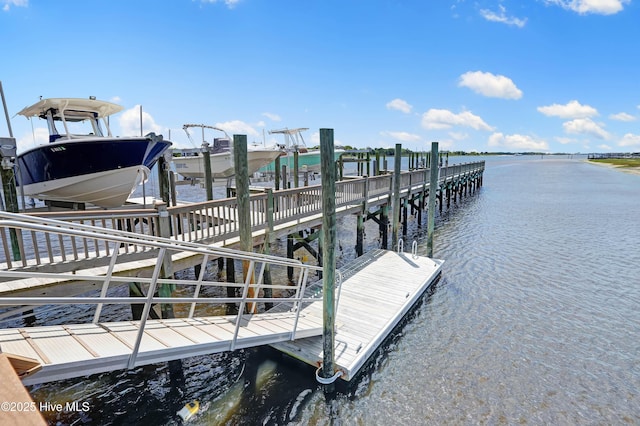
{"x": 634, "y": 170}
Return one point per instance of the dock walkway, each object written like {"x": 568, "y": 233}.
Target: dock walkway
{"x": 274, "y": 214}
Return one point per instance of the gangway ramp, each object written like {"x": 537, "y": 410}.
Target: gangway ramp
{"x": 67, "y": 351}
{"x": 67, "y": 347}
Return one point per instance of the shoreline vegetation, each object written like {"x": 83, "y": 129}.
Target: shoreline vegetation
{"x": 628, "y": 165}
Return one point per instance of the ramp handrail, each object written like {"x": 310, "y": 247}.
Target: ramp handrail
{"x": 164, "y": 247}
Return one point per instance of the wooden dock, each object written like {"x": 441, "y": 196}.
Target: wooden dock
{"x": 379, "y": 289}
{"x": 275, "y": 214}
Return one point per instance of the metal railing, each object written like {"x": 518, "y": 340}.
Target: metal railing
{"x": 209, "y": 221}
{"x": 119, "y": 243}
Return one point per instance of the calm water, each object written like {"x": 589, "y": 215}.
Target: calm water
{"x": 534, "y": 321}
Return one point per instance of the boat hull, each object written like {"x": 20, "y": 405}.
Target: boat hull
{"x": 100, "y": 171}
{"x": 106, "y": 189}
{"x": 222, "y": 164}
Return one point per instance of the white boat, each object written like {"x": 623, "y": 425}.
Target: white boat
{"x": 80, "y": 166}
{"x": 308, "y": 159}
{"x": 190, "y": 163}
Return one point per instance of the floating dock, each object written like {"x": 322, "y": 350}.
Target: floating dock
{"x": 378, "y": 290}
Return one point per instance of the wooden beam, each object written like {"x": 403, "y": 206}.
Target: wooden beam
{"x": 21, "y": 409}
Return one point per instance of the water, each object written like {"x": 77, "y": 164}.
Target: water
{"x": 535, "y": 321}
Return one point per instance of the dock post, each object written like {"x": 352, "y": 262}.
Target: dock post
{"x": 267, "y": 247}
{"x": 360, "y": 235}
{"x": 285, "y": 180}
{"x": 176, "y": 374}
{"x": 384, "y": 226}
{"x": 405, "y": 202}
{"x": 163, "y": 180}
{"x": 9, "y": 180}
{"x": 276, "y": 173}
{"x": 290, "y": 256}
{"x": 296, "y": 169}
{"x": 395, "y": 209}
{"x": 244, "y": 209}
{"x": 172, "y": 188}
{"x": 208, "y": 179}
{"x": 433, "y": 187}
{"x": 230, "y": 272}
{"x": 329, "y": 257}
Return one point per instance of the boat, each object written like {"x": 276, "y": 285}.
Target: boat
{"x": 189, "y": 163}
{"x": 308, "y": 159}
{"x": 78, "y": 167}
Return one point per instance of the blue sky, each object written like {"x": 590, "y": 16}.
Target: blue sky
{"x": 486, "y": 75}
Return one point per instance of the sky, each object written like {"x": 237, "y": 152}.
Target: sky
{"x": 488, "y": 75}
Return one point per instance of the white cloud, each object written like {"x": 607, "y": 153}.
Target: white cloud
{"x": 230, "y": 3}
{"x": 487, "y": 84}
{"x": 517, "y": 142}
{"x": 585, "y": 126}
{"x": 598, "y": 7}
{"x": 39, "y": 136}
{"x": 400, "y": 105}
{"x": 8, "y": 3}
{"x": 604, "y": 147}
{"x": 402, "y": 136}
{"x": 272, "y": 117}
{"x": 129, "y": 122}
{"x": 630, "y": 140}
{"x": 623, "y": 116}
{"x": 573, "y": 109}
{"x": 458, "y": 136}
{"x": 237, "y": 127}
{"x": 502, "y": 17}
{"x": 565, "y": 141}
{"x": 445, "y": 119}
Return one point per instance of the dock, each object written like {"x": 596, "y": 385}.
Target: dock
{"x": 275, "y": 214}
{"x": 379, "y": 289}
{"x": 55, "y": 258}
{"x": 371, "y": 301}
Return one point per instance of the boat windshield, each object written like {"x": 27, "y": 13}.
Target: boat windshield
{"x": 75, "y": 124}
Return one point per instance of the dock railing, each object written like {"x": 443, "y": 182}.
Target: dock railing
{"x": 188, "y": 297}
{"x": 205, "y": 222}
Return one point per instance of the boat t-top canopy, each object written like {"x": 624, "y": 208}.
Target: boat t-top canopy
{"x": 292, "y": 137}
{"x": 71, "y": 107}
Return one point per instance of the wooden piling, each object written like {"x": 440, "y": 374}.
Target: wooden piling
{"x": 244, "y": 213}
{"x": 208, "y": 177}
{"x": 328, "y": 243}
{"x": 268, "y": 232}
{"x": 433, "y": 188}
{"x": 360, "y": 235}
{"x": 9, "y": 180}
{"x": 296, "y": 169}
{"x": 395, "y": 206}
{"x": 163, "y": 180}
{"x": 276, "y": 173}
